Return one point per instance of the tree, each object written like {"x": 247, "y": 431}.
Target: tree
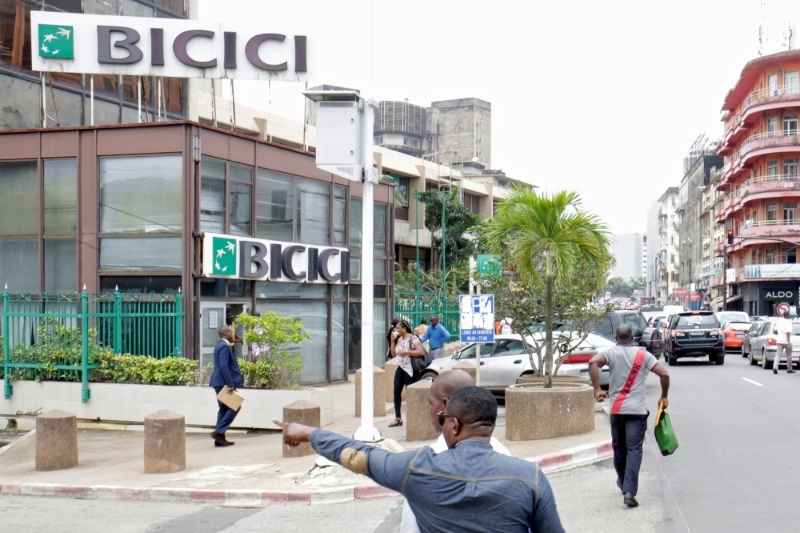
{"x": 272, "y": 334}
{"x": 620, "y": 287}
{"x": 460, "y": 224}
{"x": 531, "y": 226}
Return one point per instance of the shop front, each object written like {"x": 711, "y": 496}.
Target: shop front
{"x": 761, "y": 298}
{"x": 130, "y": 208}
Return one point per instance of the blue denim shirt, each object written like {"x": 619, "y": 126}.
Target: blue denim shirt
{"x": 470, "y": 488}
{"x": 437, "y": 336}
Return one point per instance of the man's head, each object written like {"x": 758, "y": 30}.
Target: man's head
{"x": 434, "y": 320}
{"x": 786, "y": 313}
{"x": 624, "y": 333}
{"x": 470, "y": 413}
{"x": 443, "y": 388}
{"x": 423, "y": 322}
{"x": 226, "y": 332}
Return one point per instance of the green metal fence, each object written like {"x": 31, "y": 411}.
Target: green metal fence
{"x": 56, "y": 336}
{"x": 414, "y": 307}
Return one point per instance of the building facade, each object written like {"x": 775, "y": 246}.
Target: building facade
{"x": 126, "y": 208}
{"x": 761, "y": 184}
{"x": 627, "y": 251}
{"x": 665, "y": 251}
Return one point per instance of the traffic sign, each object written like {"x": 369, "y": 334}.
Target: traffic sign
{"x": 488, "y": 264}
{"x": 783, "y": 307}
{"x": 477, "y": 317}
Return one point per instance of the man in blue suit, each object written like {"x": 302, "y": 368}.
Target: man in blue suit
{"x": 226, "y": 375}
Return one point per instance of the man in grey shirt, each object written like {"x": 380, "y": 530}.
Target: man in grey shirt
{"x": 629, "y": 365}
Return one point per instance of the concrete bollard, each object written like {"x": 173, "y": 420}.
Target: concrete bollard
{"x": 301, "y": 412}
{"x": 418, "y": 418}
{"x": 378, "y": 392}
{"x": 467, "y": 366}
{"x": 164, "y": 442}
{"x": 390, "y": 368}
{"x": 56, "y": 440}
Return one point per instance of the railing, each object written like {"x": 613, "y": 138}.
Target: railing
{"x": 753, "y": 97}
{"x": 768, "y": 135}
{"x": 413, "y": 307}
{"x": 58, "y": 336}
{"x": 778, "y": 222}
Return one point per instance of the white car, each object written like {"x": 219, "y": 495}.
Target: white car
{"x": 505, "y": 360}
{"x": 764, "y": 345}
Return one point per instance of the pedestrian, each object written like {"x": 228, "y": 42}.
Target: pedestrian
{"x": 391, "y": 338}
{"x": 783, "y": 330}
{"x": 407, "y": 346}
{"x": 226, "y": 375}
{"x": 442, "y": 389}
{"x": 505, "y": 326}
{"x": 629, "y": 366}
{"x": 258, "y": 350}
{"x": 422, "y": 329}
{"x": 469, "y": 488}
{"x": 437, "y": 336}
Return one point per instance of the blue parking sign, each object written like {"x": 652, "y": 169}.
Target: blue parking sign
{"x": 477, "y": 317}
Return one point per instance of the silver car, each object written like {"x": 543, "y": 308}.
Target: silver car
{"x": 505, "y": 360}
{"x": 764, "y": 345}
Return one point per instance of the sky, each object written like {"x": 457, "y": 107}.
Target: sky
{"x": 604, "y": 98}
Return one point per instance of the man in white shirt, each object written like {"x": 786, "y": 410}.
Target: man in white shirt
{"x": 783, "y": 330}
{"x": 439, "y": 394}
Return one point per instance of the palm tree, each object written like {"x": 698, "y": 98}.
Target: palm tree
{"x": 529, "y": 224}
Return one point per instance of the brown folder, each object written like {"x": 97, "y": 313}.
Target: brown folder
{"x": 233, "y": 400}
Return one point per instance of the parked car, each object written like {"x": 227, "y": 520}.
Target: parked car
{"x": 764, "y": 345}
{"x": 653, "y": 338}
{"x": 734, "y": 333}
{"x": 751, "y": 333}
{"x": 690, "y": 333}
{"x": 613, "y": 319}
{"x": 732, "y": 316}
{"x": 505, "y": 360}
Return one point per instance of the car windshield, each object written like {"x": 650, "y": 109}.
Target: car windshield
{"x": 690, "y": 321}
{"x": 469, "y": 351}
{"x": 739, "y": 326}
{"x": 795, "y": 329}
{"x": 732, "y": 316}
{"x": 636, "y": 322}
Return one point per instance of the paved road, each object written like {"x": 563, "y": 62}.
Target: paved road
{"x": 736, "y": 471}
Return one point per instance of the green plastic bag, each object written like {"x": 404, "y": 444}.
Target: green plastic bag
{"x": 665, "y": 435}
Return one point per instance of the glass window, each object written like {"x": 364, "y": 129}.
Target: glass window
{"x": 338, "y": 291}
{"x": 240, "y": 209}
{"x": 355, "y": 226}
{"x": 20, "y": 108}
{"x": 240, "y": 288}
{"x": 131, "y": 8}
{"x": 69, "y": 6}
{"x": 141, "y": 253}
{"x": 504, "y": 347}
{"x": 339, "y": 216}
{"x": 772, "y": 168}
{"x": 15, "y": 35}
{"x": 302, "y": 291}
{"x": 212, "y": 196}
{"x": 212, "y": 288}
{"x": 772, "y": 126}
{"x": 60, "y": 265}
{"x": 790, "y": 167}
{"x": 19, "y": 201}
{"x": 380, "y": 230}
{"x": 790, "y": 82}
{"x": 176, "y": 6}
{"x": 67, "y": 108}
{"x": 313, "y": 351}
{"x": 772, "y": 212}
{"x": 355, "y": 268}
{"x": 313, "y": 212}
{"x": 241, "y": 173}
{"x": 174, "y": 95}
{"x": 401, "y": 193}
{"x": 789, "y": 213}
{"x": 19, "y": 266}
{"x": 379, "y": 269}
{"x": 141, "y": 284}
{"x": 338, "y": 345}
{"x": 141, "y": 194}
{"x": 790, "y": 125}
{"x": 60, "y": 196}
{"x": 274, "y": 207}
{"x": 104, "y": 113}
{"x": 770, "y": 256}
{"x": 101, "y": 7}
{"x": 379, "y": 330}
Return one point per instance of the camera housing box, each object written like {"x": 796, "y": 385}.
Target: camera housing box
{"x": 340, "y": 138}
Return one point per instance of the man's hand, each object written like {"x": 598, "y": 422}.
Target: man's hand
{"x": 294, "y": 434}
{"x": 600, "y": 395}
{"x": 663, "y": 403}
{"x": 229, "y": 390}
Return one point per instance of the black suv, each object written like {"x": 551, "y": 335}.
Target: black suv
{"x": 693, "y": 332}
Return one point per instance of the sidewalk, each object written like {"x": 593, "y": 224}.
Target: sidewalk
{"x": 252, "y": 472}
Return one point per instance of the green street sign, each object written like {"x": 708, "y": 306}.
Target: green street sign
{"x": 488, "y": 264}
{"x": 224, "y": 257}
{"x": 56, "y": 42}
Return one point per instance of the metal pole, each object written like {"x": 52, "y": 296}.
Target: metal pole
{"x": 139, "y": 97}
{"x": 85, "y": 392}
{"x": 91, "y": 97}
{"x": 416, "y": 225}
{"x": 444, "y": 259}
{"x": 8, "y": 389}
{"x": 117, "y": 322}
{"x": 725, "y": 277}
{"x": 44, "y": 101}
{"x": 367, "y": 432}
{"x": 178, "y": 324}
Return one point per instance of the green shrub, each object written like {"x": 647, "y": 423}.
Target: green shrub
{"x": 144, "y": 370}
{"x": 275, "y": 372}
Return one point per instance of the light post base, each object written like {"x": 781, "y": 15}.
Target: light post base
{"x": 367, "y": 434}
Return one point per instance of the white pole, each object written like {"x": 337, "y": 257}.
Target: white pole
{"x": 91, "y": 97}
{"x": 44, "y": 101}
{"x": 158, "y": 97}
{"x": 139, "y": 96}
{"x": 367, "y": 432}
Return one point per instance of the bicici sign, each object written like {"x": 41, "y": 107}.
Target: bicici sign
{"x": 138, "y": 46}
{"x": 227, "y": 256}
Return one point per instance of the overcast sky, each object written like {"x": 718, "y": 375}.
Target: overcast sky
{"x": 601, "y": 97}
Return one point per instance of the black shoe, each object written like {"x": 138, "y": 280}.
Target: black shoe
{"x": 629, "y": 500}
{"x": 619, "y": 484}
{"x": 219, "y": 438}
{"x": 790, "y": 371}
{"x": 775, "y": 370}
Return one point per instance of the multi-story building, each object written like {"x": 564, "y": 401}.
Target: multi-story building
{"x": 644, "y": 256}
{"x": 663, "y": 254}
{"x": 761, "y": 184}
{"x": 627, "y": 251}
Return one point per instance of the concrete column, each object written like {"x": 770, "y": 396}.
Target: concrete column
{"x": 164, "y": 442}
{"x": 56, "y": 440}
{"x": 301, "y": 412}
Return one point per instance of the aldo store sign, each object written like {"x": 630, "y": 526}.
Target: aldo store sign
{"x": 226, "y": 256}
{"x": 138, "y": 46}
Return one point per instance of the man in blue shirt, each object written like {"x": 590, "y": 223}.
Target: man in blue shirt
{"x": 226, "y": 375}
{"x": 467, "y": 488}
{"x": 437, "y": 336}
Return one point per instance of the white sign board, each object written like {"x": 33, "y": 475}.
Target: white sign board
{"x": 477, "y": 317}
{"x": 139, "y": 46}
{"x": 775, "y": 271}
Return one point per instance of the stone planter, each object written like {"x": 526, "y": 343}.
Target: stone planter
{"x": 556, "y": 379}
{"x": 124, "y": 403}
{"x": 534, "y": 413}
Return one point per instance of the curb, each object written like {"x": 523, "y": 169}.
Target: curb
{"x": 550, "y": 463}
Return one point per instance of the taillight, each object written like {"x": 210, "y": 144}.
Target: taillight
{"x": 678, "y": 333}
{"x": 771, "y": 341}
{"x": 577, "y": 358}
{"x": 717, "y": 332}
{"x": 728, "y": 333}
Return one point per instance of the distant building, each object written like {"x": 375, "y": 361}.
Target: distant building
{"x": 644, "y": 256}
{"x": 627, "y": 250}
{"x": 662, "y": 250}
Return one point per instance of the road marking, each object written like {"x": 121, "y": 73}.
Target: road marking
{"x": 756, "y": 383}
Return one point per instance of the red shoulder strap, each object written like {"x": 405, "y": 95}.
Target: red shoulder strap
{"x": 638, "y": 361}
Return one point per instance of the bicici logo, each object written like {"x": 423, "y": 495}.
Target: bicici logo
{"x": 56, "y": 42}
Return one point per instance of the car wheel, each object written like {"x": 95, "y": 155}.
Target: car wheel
{"x": 428, "y": 376}
{"x": 720, "y": 359}
{"x": 712, "y": 358}
{"x": 764, "y": 363}
{"x": 744, "y": 353}
{"x": 672, "y": 360}
{"x": 750, "y": 357}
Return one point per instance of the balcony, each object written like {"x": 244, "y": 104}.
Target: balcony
{"x": 781, "y": 228}
{"x": 719, "y": 249}
{"x": 753, "y": 106}
{"x": 756, "y": 145}
{"x": 767, "y": 187}
{"x": 773, "y": 271}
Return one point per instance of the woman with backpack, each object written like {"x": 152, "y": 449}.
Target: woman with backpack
{"x": 407, "y": 348}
